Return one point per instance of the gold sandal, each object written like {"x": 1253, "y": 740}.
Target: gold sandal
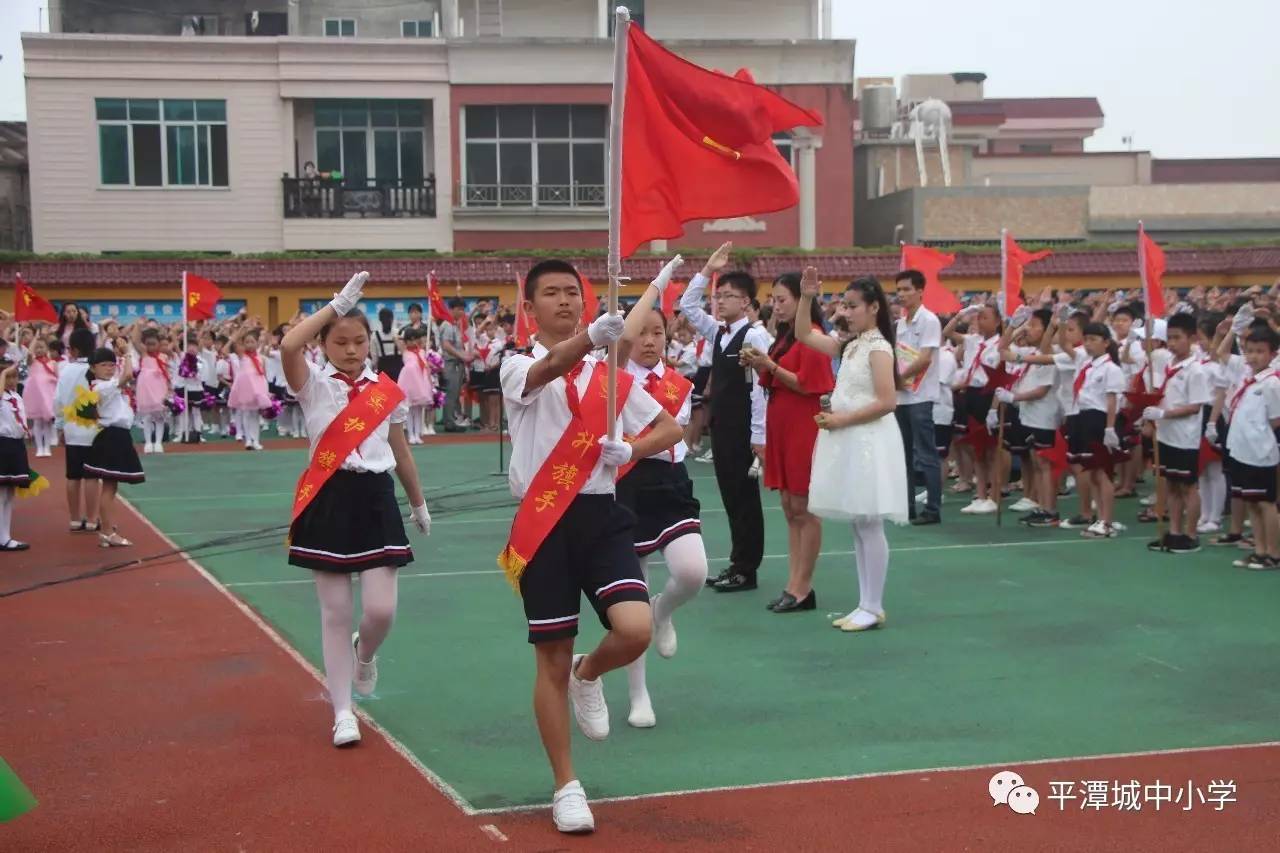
{"x": 115, "y": 540}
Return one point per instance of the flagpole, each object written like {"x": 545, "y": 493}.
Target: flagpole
{"x": 1150, "y": 343}
{"x": 622, "y": 23}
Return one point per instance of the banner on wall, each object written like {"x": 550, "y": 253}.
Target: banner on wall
{"x": 399, "y": 307}
{"x": 160, "y": 310}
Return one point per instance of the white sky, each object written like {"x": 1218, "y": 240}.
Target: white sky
{"x": 1185, "y": 79}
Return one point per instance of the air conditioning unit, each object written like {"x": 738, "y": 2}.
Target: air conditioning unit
{"x": 200, "y": 25}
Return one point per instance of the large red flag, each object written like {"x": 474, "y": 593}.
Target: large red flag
{"x": 930, "y": 262}
{"x": 1151, "y": 266}
{"x": 29, "y": 306}
{"x": 439, "y": 311}
{"x": 671, "y": 298}
{"x": 202, "y": 297}
{"x": 698, "y": 144}
{"x": 525, "y": 327}
{"x": 590, "y": 304}
{"x": 1012, "y": 259}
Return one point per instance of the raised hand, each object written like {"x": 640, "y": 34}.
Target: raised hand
{"x": 809, "y": 283}
{"x": 719, "y": 259}
{"x": 344, "y": 301}
{"x": 664, "y": 277}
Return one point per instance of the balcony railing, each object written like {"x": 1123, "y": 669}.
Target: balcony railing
{"x": 557, "y": 196}
{"x": 322, "y": 198}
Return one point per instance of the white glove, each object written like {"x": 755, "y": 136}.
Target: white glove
{"x": 344, "y": 302}
{"x": 664, "y": 277}
{"x": 1153, "y": 414}
{"x": 421, "y": 519}
{"x": 605, "y": 329}
{"x": 1004, "y": 395}
{"x": 615, "y": 453}
{"x": 1184, "y": 308}
{"x": 993, "y": 421}
{"x": 1243, "y": 319}
{"x": 1211, "y": 432}
{"x": 1111, "y": 439}
{"x": 1021, "y": 316}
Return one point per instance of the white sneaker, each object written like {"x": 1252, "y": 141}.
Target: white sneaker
{"x": 589, "y": 707}
{"x": 1024, "y": 505}
{"x": 366, "y": 677}
{"x": 1208, "y": 527}
{"x": 570, "y": 811}
{"x": 1099, "y": 530}
{"x": 972, "y": 506}
{"x": 921, "y": 497}
{"x": 706, "y": 457}
{"x": 1149, "y": 500}
{"x": 159, "y": 448}
{"x": 430, "y": 430}
{"x": 987, "y": 507}
{"x": 346, "y": 731}
{"x": 149, "y": 448}
{"x": 642, "y": 716}
{"x": 1117, "y": 527}
{"x": 664, "y": 632}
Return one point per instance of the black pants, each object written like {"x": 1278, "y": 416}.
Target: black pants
{"x": 740, "y": 493}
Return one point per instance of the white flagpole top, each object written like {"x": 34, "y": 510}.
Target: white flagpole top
{"x": 623, "y": 13}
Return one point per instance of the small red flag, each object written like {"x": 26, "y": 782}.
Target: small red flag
{"x": 979, "y": 438}
{"x": 1151, "y": 267}
{"x": 29, "y": 306}
{"x": 671, "y": 298}
{"x": 525, "y": 327}
{"x": 590, "y": 304}
{"x": 202, "y": 297}
{"x": 439, "y": 311}
{"x": 931, "y": 262}
{"x": 1056, "y": 456}
{"x": 698, "y": 144}
{"x": 1012, "y": 259}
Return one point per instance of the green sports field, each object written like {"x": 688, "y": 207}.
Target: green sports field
{"x": 1003, "y": 645}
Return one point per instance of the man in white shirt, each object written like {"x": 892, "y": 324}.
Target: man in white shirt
{"x": 737, "y": 413}
{"x": 919, "y": 332}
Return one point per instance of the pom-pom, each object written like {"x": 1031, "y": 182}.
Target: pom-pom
{"x": 437, "y": 399}
{"x": 177, "y": 403}
{"x": 435, "y": 361}
{"x": 189, "y": 367}
{"x": 273, "y": 411}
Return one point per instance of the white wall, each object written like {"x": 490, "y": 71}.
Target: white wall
{"x": 543, "y": 18}
{"x": 731, "y": 19}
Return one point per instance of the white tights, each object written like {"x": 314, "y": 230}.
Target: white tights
{"x": 871, "y": 551}
{"x": 250, "y": 426}
{"x": 153, "y": 428}
{"x": 7, "y": 496}
{"x": 1213, "y": 493}
{"x": 686, "y": 560}
{"x": 378, "y": 606}
{"x": 414, "y": 427}
{"x": 42, "y": 434}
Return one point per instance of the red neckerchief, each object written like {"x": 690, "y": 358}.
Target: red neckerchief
{"x": 257, "y": 365}
{"x": 354, "y": 386}
{"x": 1244, "y": 386}
{"x": 977, "y": 362}
{"x": 12, "y": 400}
{"x": 1169, "y": 372}
{"x": 651, "y": 385}
{"x": 422, "y": 362}
{"x": 571, "y": 389}
{"x": 1079, "y": 382}
{"x": 699, "y": 347}
{"x": 43, "y": 361}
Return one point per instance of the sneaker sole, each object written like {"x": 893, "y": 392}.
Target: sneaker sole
{"x": 584, "y": 829}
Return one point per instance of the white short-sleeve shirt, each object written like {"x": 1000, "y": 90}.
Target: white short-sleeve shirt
{"x": 641, "y": 374}
{"x": 1044, "y": 412}
{"x": 1103, "y": 377}
{"x": 944, "y": 407}
{"x": 1252, "y": 408}
{"x": 979, "y": 354}
{"x": 921, "y": 332}
{"x": 1185, "y": 384}
{"x": 539, "y": 418}
{"x": 323, "y": 396}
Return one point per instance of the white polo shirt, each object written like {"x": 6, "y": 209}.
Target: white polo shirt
{"x": 539, "y": 418}
{"x": 985, "y": 352}
{"x": 323, "y": 396}
{"x": 1185, "y": 384}
{"x": 1044, "y": 412}
{"x": 1102, "y": 376}
{"x": 1251, "y": 408}
{"x": 921, "y": 332}
{"x": 641, "y": 374}
{"x": 944, "y": 406}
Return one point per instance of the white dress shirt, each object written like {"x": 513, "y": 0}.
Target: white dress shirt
{"x": 944, "y": 405}
{"x": 72, "y": 375}
{"x": 1251, "y": 409}
{"x": 1044, "y": 412}
{"x": 323, "y": 396}
{"x": 1189, "y": 385}
{"x": 1103, "y": 377}
{"x": 641, "y": 374}
{"x": 13, "y": 415}
{"x": 707, "y": 326}
{"x": 979, "y": 354}
{"x": 539, "y": 418}
{"x": 921, "y": 332}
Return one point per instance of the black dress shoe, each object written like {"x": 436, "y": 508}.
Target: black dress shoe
{"x": 791, "y": 604}
{"x": 736, "y": 583}
{"x": 782, "y": 599}
{"x": 926, "y": 518}
{"x": 723, "y": 576}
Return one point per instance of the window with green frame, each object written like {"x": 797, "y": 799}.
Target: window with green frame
{"x": 371, "y": 141}
{"x": 148, "y": 142}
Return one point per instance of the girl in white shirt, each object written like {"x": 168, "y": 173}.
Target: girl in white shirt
{"x": 15, "y": 473}
{"x": 1093, "y": 444}
{"x": 352, "y": 524}
{"x": 112, "y": 458}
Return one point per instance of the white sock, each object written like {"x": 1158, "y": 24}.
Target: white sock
{"x": 414, "y": 426}
{"x": 6, "y": 514}
{"x": 334, "y": 592}
{"x": 1213, "y": 493}
{"x": 252, "y": 425}
{"x": 874, "y": 566}
{"x": 686, "y": 559}
{"x": 378, "y": 595}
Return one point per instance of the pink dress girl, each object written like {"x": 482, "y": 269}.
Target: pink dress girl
{"x": 249, "y": 395}
{"x": 151, "y": 390}
{"x": 37, "y": 397}
{"x": 415, "y": 381}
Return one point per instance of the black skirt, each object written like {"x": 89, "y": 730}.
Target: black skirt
{"x": 14, "y": 471}
{"x": 661, "y": 496}
{"x": 113, "y": 457}
{"x": 352, "y": 525}
{"x": 391, "y": 365}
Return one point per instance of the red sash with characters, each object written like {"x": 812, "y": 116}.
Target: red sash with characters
{"x": 364, "y": 414}
{"x": 565, "y": 471}
{"x": 670, "y": 391}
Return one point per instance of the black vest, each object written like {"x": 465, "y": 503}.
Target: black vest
{"x": 730, "y": 387}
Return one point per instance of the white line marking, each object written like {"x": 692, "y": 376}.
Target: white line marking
{"x": 427, "y": 773}
{"x": 493, "y": 832}
{"x": 891, "y": 773}
{"x": 1163, "y": 663}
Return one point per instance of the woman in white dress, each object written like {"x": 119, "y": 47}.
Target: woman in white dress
{"x": 858, "y": 473}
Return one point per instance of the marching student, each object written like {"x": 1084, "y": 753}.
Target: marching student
{"x": 981, "y": 353}
{"x": 570, "y": 536}
{"x": 737, "y": 412}
{"x": 1253, "y": 416}
{"x": 658, "y": 489}
{"x": 859, "y": 440}
{"x": 1178, "y": 419}
{"x": 83, "y": 488}
{"x": 152, "y": 388}
{"x": 15, "y": 473}
{"x": 1093, "y": 442}
{"x": 112, "y": 458}
{"x": 38, "y": 396}
{"x": 1039, "y": 417}
{"x": 345, "y": 517}
{"x": 249, "y": 395}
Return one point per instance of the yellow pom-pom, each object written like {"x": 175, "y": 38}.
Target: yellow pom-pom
{"x": 37, "y": 485}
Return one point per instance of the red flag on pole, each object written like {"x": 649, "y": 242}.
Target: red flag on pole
{"x": 525, "y": 328}
{"x": 1151, "y": 267}
{"x": 698, "y": 144}
{"x": 930, "y": 262}
{"x": 590, "y": 304}
{"x": 29, "y": 306}
{"x": 439, "y": 311}
{"x": 671, "y": 298}
{"x": 202, "y": 297}
{"x": 1012, "y": 259}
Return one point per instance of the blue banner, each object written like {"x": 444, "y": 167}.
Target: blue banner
{"x": 399, "y": 307}
{"x": 161, "y": 310}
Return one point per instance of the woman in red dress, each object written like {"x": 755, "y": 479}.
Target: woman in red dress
{"x": 795, "y": 378}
